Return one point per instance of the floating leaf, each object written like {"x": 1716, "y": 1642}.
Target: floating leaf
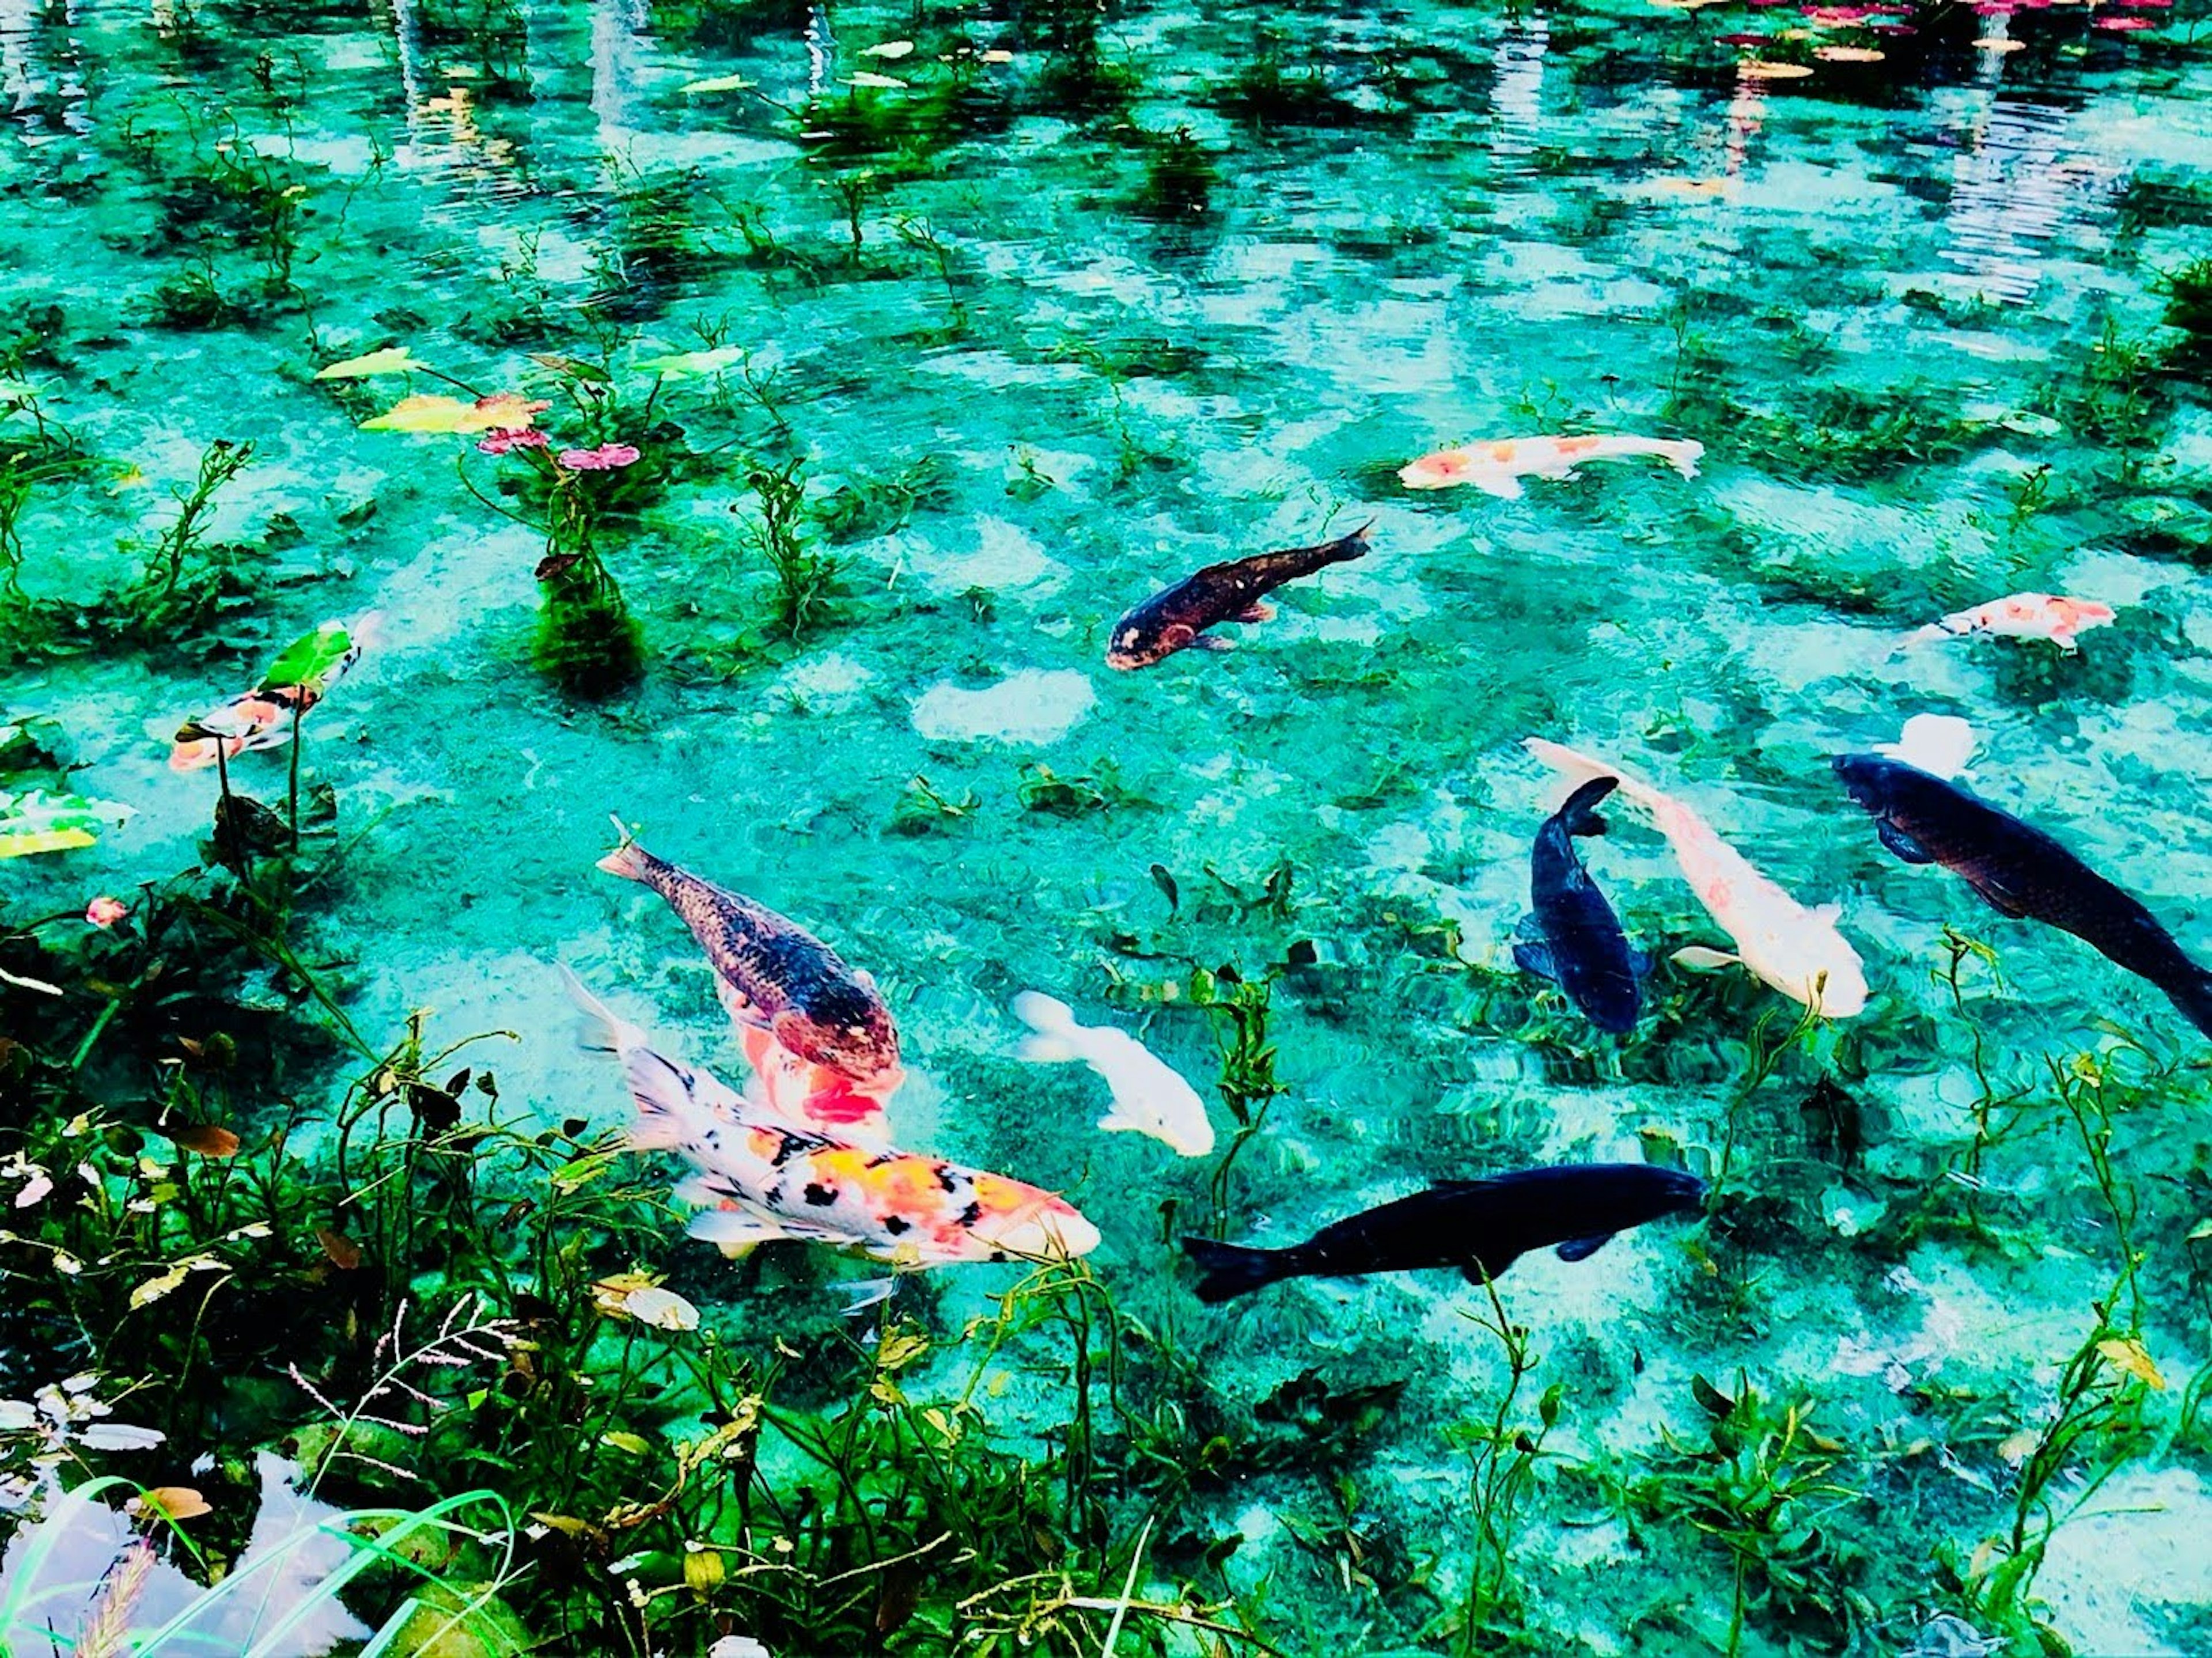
{"x": 868, "y": 78}
{"x": 175, "y": 1502}
{"x": 41, "y": 821}
{"x": 717, "y": 83}
{"x": 428, "y": 411}
{"x": 342, "y": 1251}
{"x": 2127, "y": 1354}
{"x": 392, "y": 360}
{"x": 154, "y": 1288}
{"x": 313, "y": 662}
{"x": 635, "y": 1444}
{"x": 695, "y": 365}
{"x": 205, "y": 1139}
{"x": 888, "y": 49}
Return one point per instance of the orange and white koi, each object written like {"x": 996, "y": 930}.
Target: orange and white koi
{"x": 1796, "y": 950}
{"x": 1497, "y": 468}
{"x": 2026, "y": 616}
{"x": 761, "y": 1178}
{"x": 772, "y": 975}
{"x": 253, "y": 719}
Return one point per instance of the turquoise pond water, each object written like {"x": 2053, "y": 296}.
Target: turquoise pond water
{"x": 1053, "y": 306}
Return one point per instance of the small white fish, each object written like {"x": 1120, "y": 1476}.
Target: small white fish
{"x": 1498, "y": 468}
{"x": 1149, "y": 1097}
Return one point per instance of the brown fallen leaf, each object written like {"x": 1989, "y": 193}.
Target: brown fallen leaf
{"x": 175, "y": 1502}
{"x": 344, "y": 1253}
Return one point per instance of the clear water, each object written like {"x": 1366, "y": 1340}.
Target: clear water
{"x": 1914, "y": 310}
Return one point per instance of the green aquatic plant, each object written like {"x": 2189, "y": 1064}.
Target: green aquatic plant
{"x": 922, "y": 810}
{"x": 806, "y": 579}
{"x": 1502, "y": 1448}
{"x": 1181, "y": 175}
{"x": 2188, "y": 292}
{"x": 185, "y": 578}
{"x": 1761, "y": 1483}
{"x": 1238, "y": 1008}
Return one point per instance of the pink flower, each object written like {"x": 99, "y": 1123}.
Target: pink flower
{"x": 604, "y": 459}
{"x": 103, "y": 912}
{"x": 2123, "y": 23}
{"x": 500, "y": 438}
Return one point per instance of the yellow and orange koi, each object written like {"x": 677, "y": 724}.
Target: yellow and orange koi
{"x": 1497, "y": 468}
{"x": 761, "y": 1178}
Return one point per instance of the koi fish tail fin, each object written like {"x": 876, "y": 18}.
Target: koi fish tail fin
{"x": 1234, "y": 1269}
{"x": 1579, "y": 815}
{"x": 1052, "y": 1024}
{"x": 1684, "y": 456}
{"x": 627, "y": 858}
{"x": 598, "y": 1030}
{"x": 1576, "y": 769}
{"x": 2193, "y": 994}
{"x": 1345, "y": 549}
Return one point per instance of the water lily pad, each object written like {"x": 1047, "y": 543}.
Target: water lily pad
{"x": 312, "y": 662}
{"x": 866, "y": 78}
{"x": 41, "y": 821}
{"x": 694, "y": 365}
{"x": 888, "y": 49}
{"x": 717, "y": 83}
{"x": 392, "y": 360}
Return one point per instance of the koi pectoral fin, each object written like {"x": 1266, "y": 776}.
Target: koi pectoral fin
{"x": 1258, "y": 611}
{"x": 1901, "y": 843}
{"x": 1211, "y": 643}
{"x": 1583, "y": 1248}
{"x": 1537, "y": 959}
{"x": 1700, "y": 959}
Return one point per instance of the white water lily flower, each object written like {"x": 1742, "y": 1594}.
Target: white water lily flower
{"x": 737, "y": 1646}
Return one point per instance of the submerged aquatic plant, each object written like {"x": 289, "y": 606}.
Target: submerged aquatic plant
{"x": 806, "y": 578}
{"x": 1761, "y": 1485}
{"x": 587, "y": 642}
{"x": 185, "y": 578}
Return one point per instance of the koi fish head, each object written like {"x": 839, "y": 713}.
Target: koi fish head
{"x": 847, "y": 1029}
{"x": 1134, "y": 645}
{"x": 1018, "y": 1220}
{"x": 1439, "y": 471}
{"x": 1869, "y": 779}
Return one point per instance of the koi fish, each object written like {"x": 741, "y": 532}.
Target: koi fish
{"x": 2019, "y": 870}
{"x": 772, "y": 975}
{"x": 1796, "y": 950}
{"x": 263, "y": 718}
{"x": 1149, "y": 1097}
{"x": 813, "y": 1095}
{"x": 1579, "y": 944}
{"x": 1177, "y": 619}
{"x": 761, "y": 1178}
{"x": 2026, "y": 616}
{"x": 1498, "y": 468}
{"x": 1481, "y": 1227}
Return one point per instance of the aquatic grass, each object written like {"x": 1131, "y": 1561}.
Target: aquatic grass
{"x": 1503, "y": 1452}
{"x": 1238, "y": 1010}
{"x": 287, "y": 1584}
{"x": 186, "y": 579}
{"x": 806, "y": 583}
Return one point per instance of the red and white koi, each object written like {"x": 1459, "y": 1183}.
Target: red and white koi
{"x": 1796, "y": 950}
{"x": 812, "y": 1096}
{"x": 2026, "y": 616}
{"x": 761, "y": 1178}
{"x": 1497, "y": 468}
